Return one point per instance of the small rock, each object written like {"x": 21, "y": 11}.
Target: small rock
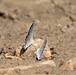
{"x": 10, "y": 55}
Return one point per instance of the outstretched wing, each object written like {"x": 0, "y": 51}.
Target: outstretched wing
{"x": 40, "y": 50}
{"x": 29, "y": 37}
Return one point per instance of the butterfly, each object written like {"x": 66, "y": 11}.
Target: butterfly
{"x": 40, "y": 50}
{"x": 29, "y": 37}
{"x": 29, "y": 41}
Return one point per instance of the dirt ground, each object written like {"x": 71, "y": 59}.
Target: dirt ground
{"x": 54, "y": 19}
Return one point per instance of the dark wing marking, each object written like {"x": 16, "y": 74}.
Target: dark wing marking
{"x": 40, "y": 50}
{"x": 29, "y": 37}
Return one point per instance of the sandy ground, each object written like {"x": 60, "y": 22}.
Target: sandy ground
{"x": 54, "y": 19}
